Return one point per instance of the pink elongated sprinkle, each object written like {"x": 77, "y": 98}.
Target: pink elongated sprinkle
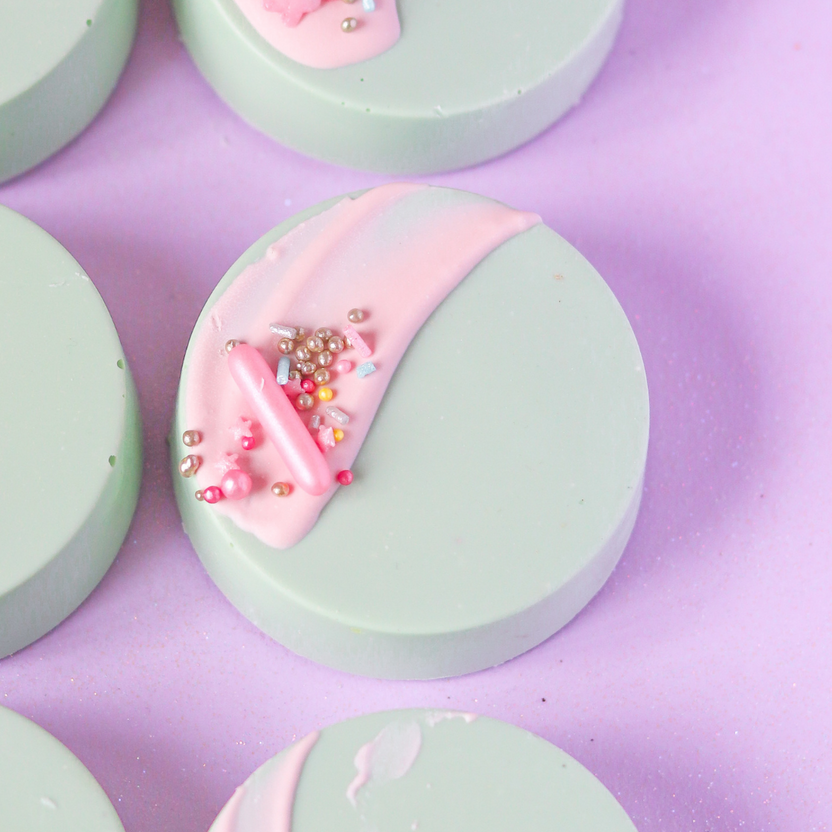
{"x": 357, "y": 342}
{"x": 279, "y": 419}
{"x": 291, "y": 11}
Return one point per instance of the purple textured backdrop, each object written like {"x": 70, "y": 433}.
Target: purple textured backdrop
{"x": 697, "y": 176}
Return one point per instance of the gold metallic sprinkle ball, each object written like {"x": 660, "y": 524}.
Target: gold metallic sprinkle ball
{"x": 321, "y": 376}
{"x": 229, "y": 345}
{"x": 323, "y": 333}
{"x": 198, "y": 495}
{"x": 304, "y": 401}
{"x": 335, "y": 344}
{"x": 189, "y": 465}
{"x": 314, "y": 344}
{"x": 281, "y": 489}
{"x": 303, "y": 354}
{"x": 286, "y": 345}
{"x": 348, "y": 24}
{"x": 191, "y": 438}
{"x": 356, "y": 316}
{"x": 325, "y": 358}
{"x": 307, "y": 368}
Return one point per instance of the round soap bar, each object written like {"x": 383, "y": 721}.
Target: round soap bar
{"x": 420, "y": 769}
{"x": 453, "y": 519}
{"x": 418, "y": 87}
{"x": 58, "y": 64}
{"x": 45, "y": 787}
{"x": 70, "y": 438}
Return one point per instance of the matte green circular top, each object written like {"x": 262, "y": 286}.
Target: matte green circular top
{"x": 495, "y": 491}
{"x": 423, "y": 771}
{"x": 69, "y": 434}
{"x": 45, "y": 788}
{"x": 466, "y": 81}
{"x": 58, "y": 64}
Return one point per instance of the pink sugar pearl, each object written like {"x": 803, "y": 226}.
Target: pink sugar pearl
{"x": 236, "y": 484}
{"x": 343, "y": 366}
{"x": 248, "y": 443}
{"x": 212, "y": 494}
{"x": 344, "y": 477}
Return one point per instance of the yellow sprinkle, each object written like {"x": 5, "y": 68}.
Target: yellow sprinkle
{"x": 338, "y": 434}
{"x": 325, "y": 394}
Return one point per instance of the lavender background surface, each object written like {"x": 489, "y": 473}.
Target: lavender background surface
{"x": 697, "y": 177}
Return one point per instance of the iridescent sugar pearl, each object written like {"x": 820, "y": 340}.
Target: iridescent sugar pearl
{"x": 323, "y": 333}
{"x": 304, "y": 401}
{"x": 236, "y": 484}
{"x": 348, "y": 24}
{"x": 321, "y": 376}
{"x": 229, "y": 345}
{"x": 314, "y": 344}
{"x": 355, "y": 316}
{"x": 307, "y": 368}
{"x": 325, "y": 358}
{"x": 189, "y": 465}
{"x": 212, "y": 494}
{"x": 344, "y": 477}
{"x": 286, "y": 345}
{"x": 281, "y": 489}
{"x": 191, "y": 438}
{"x": 335, "y": 344}
{"x": 303, "y": 354}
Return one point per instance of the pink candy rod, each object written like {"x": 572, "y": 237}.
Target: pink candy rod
{"x": 279, "y": 419}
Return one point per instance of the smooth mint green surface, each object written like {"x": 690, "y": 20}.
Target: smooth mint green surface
{"x": 70, "y": 438}
{"x": 493, "y": 496}
{"x": 59, "y": 61}
{"x": 44, "y": 787}
{"x": 480, "y": 776}
{"x": 467, "y": 80}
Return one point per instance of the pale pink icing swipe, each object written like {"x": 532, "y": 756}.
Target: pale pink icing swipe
{"x": 396, "y": 252}
{"x": 309, "y": 31}
{"x": 388, "y": 757}
{"x": 266, "y": 801}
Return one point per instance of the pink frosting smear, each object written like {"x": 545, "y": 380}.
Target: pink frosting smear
{"x": 269, "y": 797}
{"x": 309, "y": 31}
{"x": 394, "y": 252}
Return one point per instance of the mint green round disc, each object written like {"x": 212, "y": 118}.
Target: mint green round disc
{"x": 420, "y": 771}
{"x": 59, "y": 62}
{"x": 467, "y": 81}
{"x": 493, "y": 495}
{"x": 45, "y": 787}
{"x": 70, "y": 437}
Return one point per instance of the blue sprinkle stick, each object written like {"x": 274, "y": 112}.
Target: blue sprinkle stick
{"x": 283, "y": 370}
{"x": 365, "y": 369}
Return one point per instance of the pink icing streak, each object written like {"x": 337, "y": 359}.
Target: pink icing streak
{"x": 270, "y": 798}
{"x": 349, "y": 256}
{"x": 309, "y": 31}
{"x": 388, "y": 757}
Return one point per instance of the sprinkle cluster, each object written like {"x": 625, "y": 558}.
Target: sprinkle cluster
{"x": 309, "y": 364}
